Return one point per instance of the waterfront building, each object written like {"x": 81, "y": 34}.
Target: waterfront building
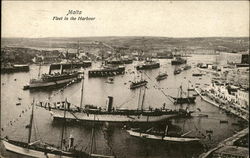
{"x": 230, "y": 93}
{"x": 243, "y": 98}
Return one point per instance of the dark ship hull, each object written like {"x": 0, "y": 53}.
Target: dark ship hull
{"x": 161, "y": 77}
{"x": 188, "y": 100}
{"x": 84, "y": 64}
{"x": 148, "y": 66}
{"x": 135, "y": 85}
{"x": 106, "y": 72}
{"x": 119, "y": 62}
{"x": 53, "y": 82}
{"x": 15, "y": 68}
{"x": 178, "y": 62}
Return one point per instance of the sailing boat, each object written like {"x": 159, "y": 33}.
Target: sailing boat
{"x": 183, "y": 100}
{"x": 150, "y": 134}
{"x": 39, "y": 149}
{"x": 111, "y": 114}
{"x": 137, "y": 84}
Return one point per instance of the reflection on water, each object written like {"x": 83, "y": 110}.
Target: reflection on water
{"x": 114, "y": 139}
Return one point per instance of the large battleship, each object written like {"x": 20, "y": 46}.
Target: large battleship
{"x": 53, "y": 80}
{"x": 9, "y": 68}
{"x": 107, "y": 71}
{"x": 148, "y": 64}
{"x": 178, "y": 61}
{"x": 81, "y": 64}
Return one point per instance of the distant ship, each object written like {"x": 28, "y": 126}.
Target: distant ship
{"x": 186, "y": 67}
{"x": 53, "y": 80}
{"x": 178, "y": 61}
{"x": 82, "y": 64}
{"x": 119, "y": 61}
{"x": 137, "y": 84}
{"x": 161, "y": 76}
{"x": 184, "y": 100}
{"x": 148, "y": 64}
{"x": 9, "y": 68}
{"x": 107, "y": 71}
{"x": 177, "y": 71}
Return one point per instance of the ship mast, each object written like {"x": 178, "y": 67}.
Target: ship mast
{"x": 82, "y": 93}
{"x": 31, "y": 122}
{"x": 64, "y": 122}
{"x": 181, "y": 91}
{"x": 143, "y": 98}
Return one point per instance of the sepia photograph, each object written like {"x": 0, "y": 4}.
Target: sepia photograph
{"x": 124, "y": 79}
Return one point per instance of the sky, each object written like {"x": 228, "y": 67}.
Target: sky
{"x": 34, "y": 19}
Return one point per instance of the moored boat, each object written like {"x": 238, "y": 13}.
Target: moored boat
{"x": 151, "y": 135}
{"x": 161, "y": 76}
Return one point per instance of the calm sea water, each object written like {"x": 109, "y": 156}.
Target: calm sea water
{"x": 115, "y": 140}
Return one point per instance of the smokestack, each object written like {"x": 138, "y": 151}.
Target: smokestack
{"x": 110, "y": 103}
{"x": 71, "y": 141}
{"x": 61, "y": 68}
{"x": 49, "y": 69}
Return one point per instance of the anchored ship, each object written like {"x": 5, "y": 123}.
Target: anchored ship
{"x": 186, "y": 67}
{"x": 161, "y": 76}
{"x": 178, "y": 61}
{"x": 82, "y": 64}
{"x": 9, "y": 68}
{"x": 107, "y": 71}
{"x": 150, "y": 134}
{"x": 148, "y": 64}
{"x": 41, "y": 149}
{"x": 182, "y": 100}
{"x": 111, "y": 114}
{"x": 53, "y": 80}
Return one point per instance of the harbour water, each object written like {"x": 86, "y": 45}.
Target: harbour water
{"x": 115, "y": 140}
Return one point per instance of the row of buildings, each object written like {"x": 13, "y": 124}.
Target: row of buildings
{"x": 236, "y": 95}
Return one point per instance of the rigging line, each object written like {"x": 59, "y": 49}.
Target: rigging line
{"x": 159, "y": 88}
{"x": 128, "y": 100}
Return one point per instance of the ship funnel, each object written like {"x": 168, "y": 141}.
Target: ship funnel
{"x": 49, "y": 69}
{"x": 71, "y": 141}
{"x": 61, "y": 69}
{"x": 110, "y": 103}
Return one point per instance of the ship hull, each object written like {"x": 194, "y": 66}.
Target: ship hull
{"x": 71, "y": 65}
{"x": 174, "y": 62}
{"x": 189, "y": 100}
{"x": 87, "y": 118}
{"x": 166, "y": 138}
{"x": 21, "y": 150}
{"x": 51, "y": 84}
{"x": 15, "y": 68}
{"x": 158, "y": 78}
{"x": 149, "y": 66}
{"x": 134, "y": 86}
{"x": 106, "y": 72}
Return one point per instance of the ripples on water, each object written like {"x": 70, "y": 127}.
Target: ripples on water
{"x": 96, "y": 92}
